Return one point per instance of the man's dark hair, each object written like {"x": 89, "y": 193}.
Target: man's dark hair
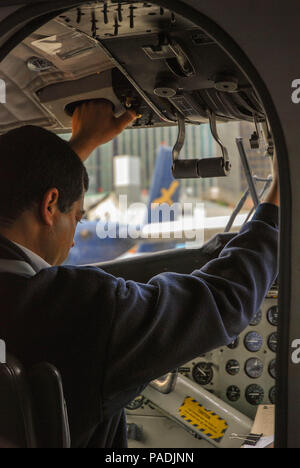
{"x": 32, "y": 161}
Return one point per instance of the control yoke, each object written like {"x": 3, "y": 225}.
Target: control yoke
{"x": 199, "y": 168}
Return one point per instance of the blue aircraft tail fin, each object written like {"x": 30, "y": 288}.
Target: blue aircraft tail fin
{"x": 89, "y": 248}
{"x": 164, "y": 190}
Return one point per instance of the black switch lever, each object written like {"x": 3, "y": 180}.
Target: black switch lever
{"x": 199, "y": 168}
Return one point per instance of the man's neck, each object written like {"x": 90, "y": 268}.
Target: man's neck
{"x": 38, "y": 262}
{"x": 24, "y": 234}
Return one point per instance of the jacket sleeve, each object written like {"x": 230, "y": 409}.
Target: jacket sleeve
{"x": 175, "y": 318}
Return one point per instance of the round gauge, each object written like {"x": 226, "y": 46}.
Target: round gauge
{"x": 272, "y": 342}
{"x": 254, "y": 368}
{"x": 233, "y": 393}
{"x": 234, "y": 344}
{"x": 272, "y": 315}
{"x": 272, "y": 369}
{"x": 272, "y": 395}
{"x": 232, "y": 367}
{"x": 254, "y": 394}
{"x": 203, "y": 373}
{"x": 136, "y": 403}
{"x": 257, "y": 319}
{"x": 253, "y": 341}
{"x": 38, "y": 64}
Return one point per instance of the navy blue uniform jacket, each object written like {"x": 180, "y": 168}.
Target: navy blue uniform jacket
{"x": 109, "y": 337}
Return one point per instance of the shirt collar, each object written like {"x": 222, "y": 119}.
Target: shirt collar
{"x": 37, "y": 262}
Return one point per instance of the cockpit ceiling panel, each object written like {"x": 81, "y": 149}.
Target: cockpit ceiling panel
{"x": 173, "y": 63}
{"x": 160, "y": 61}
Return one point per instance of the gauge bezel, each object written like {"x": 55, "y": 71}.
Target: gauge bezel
{"x": 249, "y": 372}
{"x": 272, "y": 364}
{"x": 234, "y": 344}
{"x": 270, "y": 317}
{"x": 238, "y": 391}
{"x": 252, "y": 388}
{"x": 235, "y": 363}
{"x": 251, "y": 348}
{"x": 209, "y": 373}
{"x": 257, "y": 319}
{"x": 271, "y": 346}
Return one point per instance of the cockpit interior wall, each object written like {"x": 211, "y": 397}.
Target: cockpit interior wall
{"x": 262, "y": 43}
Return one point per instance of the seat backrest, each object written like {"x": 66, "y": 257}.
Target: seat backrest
{"x": 51, "y": 417}
{"x": 32, "y": 407}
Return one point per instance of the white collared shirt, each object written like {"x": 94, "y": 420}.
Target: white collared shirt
{"x": 38, "y": 262}
{"x": 21, "y": 267}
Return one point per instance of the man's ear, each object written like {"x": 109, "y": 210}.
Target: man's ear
{"x": 49, "y": 206}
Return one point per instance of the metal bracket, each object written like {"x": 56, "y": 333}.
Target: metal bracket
{"x": 213, "y": 129}
{"x": 165, "y": 384}
{"x": 181, "y": 137}
{"x": 174, "y": 55}
{"x": 245, "y": 163}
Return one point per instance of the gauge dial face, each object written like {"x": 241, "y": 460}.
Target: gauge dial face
{"x": 272, "y": 369}
{"x": 272, "y": 315}
{"x": 136, "y": 403}
{"x": 38, "y": 64}
{"x": 233, "y": 393}
{"x": 232, "y": 367}
{"x": 257, "y": 319}
{"x": 203, "y": 373}
{"x": 272, "y": 395}
{"x": 272, "y": 342}
{"x": 253, "y": 341}
{"x": 234, "y": 344}
{"x": 254, "y": 394}
{"x": 254, "y": 368}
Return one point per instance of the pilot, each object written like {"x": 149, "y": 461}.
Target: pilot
{"x": 109, "y": 337}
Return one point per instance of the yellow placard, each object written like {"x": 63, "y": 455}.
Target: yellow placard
{"x": 206, "y": 421}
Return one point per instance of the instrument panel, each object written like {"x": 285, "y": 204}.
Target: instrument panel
{"x": 242, "y": 375}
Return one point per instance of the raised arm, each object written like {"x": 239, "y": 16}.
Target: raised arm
{"x": 94, "y": 124}
{"x": 273, "y": 194}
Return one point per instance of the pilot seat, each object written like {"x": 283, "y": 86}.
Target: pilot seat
{"x": 33, "y": 412}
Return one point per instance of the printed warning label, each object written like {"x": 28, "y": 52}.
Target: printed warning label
{"x": 206, "y": 421}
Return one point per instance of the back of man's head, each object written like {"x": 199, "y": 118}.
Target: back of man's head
{"x": 32, "y": 161}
